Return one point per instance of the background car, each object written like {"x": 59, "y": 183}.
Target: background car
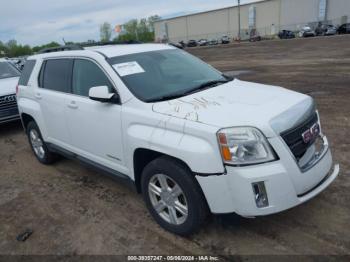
{"x": 254, "y": 36}
{"x": 306, "y": 31}
{"x": 182, "y": 43}
{"x": 323, "y": 29}
{"x": 202, "y": 42}
{"x": 21, "y": 62}
{"x": 344, "y": 29}
{"x": 9, "y": 76}
{"x": 192, "y": 43}
{"x": 331, "y": 30}
{"x": 286, "y": 34}
{"x": 177, "y": 45}
{"x": 225, "y": 39}
{"x": 213, "y": 42}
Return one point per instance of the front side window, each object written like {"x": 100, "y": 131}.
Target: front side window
{"x": 57, "y": 75}
{"x": 87, "y": 74}
{"x": 158, "y": 75}
{"x": 7, "y": 70}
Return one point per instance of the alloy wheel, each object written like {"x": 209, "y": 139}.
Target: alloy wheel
{"x": 168, "y": 199}
{"x": 37, "y": 143}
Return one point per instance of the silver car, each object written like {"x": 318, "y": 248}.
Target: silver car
{"x": 306, "y": 31}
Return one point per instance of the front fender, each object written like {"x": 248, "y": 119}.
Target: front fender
{"x": 170, "y": 136}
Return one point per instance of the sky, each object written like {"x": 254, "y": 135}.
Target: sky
{"x": 37, "y": 22}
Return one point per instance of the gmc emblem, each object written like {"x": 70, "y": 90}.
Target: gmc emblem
{"x": 311, "y": 134}
{"x": 7, "y": 99}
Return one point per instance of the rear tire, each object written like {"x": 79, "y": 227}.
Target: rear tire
{"x": 38, "y": 145}
{"x": 173, "y": 196}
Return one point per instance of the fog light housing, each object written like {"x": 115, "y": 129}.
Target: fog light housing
{"x": 260, "y": 194}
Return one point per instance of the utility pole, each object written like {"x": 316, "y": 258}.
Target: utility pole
{"x": 239, "y": 20}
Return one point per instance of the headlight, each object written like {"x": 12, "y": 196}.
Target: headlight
{"x": 244, "y": 146}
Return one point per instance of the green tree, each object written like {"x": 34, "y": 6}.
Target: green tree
{"x": 142, "y": 26}
{"x": 138, "y": 30}
{"x": 131, "y": 29}
{"x": 49, "y": 45}
{"x": 105, "y": 32}
{"x": 3, "y": 49}
{"x": 11, "y": 44}
{"x": 14, "y": 50}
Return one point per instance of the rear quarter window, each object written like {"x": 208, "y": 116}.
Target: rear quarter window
{"x": 27, "y": 71}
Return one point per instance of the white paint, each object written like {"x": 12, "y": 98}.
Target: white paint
{"x": 185, "y": 129}
{"x": 8, "y": 86}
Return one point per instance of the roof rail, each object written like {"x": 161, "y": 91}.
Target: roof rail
{"x": 129, "y": 42}
{"x": 60, "y": 49}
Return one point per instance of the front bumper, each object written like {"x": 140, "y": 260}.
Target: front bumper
{"x": 8, "y": 114}
{"x": 286, "y": 185}
{"x": 9, "y": 119}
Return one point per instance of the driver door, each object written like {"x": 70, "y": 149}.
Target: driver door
{"x": 94, "y": 127}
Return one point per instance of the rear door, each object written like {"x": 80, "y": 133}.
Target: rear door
{"x": 53, "y": 94}
{"x": 95, "y": 127}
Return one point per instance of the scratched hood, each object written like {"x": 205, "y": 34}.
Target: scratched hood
{"x": 8, "y": 86}
{"x": 238, "y": 103}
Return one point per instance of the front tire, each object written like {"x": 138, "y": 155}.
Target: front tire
{"x": 173, "y": 196}
{"x": 38, "y": 145}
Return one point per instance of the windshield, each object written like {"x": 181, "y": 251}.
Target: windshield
{"x": 7, "y": 70}
{"x": 161, "y": 75}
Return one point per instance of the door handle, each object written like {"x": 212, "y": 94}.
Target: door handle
{"x": 38, "y": 96}
{"x": 73, "y": 105}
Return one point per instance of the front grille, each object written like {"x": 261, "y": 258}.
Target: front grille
{"x": 294, "y": 139}
{"x": 9, "y": 112}
{"x": 8, "y": 106}
{"x": 8, "y": 101}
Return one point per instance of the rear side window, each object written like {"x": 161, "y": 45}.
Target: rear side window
{"x": 87, "y": 74}
{"x": 57, "y": 75}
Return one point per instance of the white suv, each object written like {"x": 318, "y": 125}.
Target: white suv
{"x": 189, "y": 138}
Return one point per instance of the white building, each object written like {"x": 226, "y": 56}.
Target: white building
{"x": 267, "y": 17}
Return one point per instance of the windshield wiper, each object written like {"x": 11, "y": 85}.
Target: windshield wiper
{"x": 166, "y": 97}
{"x": 209, "y": 84}
{"x": 196, "y": 89}
{"x": 204, "y": 86}
{"x": 229, "y": 78}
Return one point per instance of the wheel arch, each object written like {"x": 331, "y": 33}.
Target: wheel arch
{"x": 30, "y": 110}
{"x": 26, "y": 119}
{"x": 143, "y": 156}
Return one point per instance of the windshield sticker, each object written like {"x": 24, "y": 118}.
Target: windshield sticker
{"x": 129, "y": 68}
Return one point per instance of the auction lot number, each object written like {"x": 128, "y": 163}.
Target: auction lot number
{"x": 173, "y": 258}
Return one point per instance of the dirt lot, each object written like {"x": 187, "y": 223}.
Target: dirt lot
{"x": 74, "y": 210}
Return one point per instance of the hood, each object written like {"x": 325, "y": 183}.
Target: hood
{"x": 238, "y": 103}
{"x": 8, "y": 86}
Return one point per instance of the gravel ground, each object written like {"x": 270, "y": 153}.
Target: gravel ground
{"x": 74, "y": 210}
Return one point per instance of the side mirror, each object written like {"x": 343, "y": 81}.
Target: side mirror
{"x": 102, "y": 94}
